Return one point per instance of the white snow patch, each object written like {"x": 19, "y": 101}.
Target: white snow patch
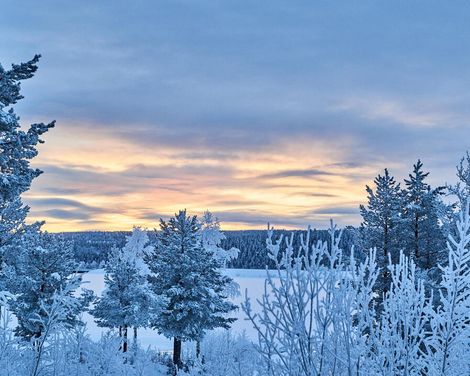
{"x": 251, "y": 279}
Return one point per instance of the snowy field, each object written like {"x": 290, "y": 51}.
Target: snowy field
{"x": 253, "y": 280}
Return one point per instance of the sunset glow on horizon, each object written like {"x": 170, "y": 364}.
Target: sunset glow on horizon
{"x": 118, "y": 184}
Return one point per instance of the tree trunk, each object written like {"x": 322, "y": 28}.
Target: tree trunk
{"x": 134, "y": 346}
{"x": 177, "y": 352}
{"x": 120, "y": 336}
{"x": 384, "y": 270}
{"x": 124, "y": 342}
{"x": 417, "y": 238}
{"x": 198, "y": 349}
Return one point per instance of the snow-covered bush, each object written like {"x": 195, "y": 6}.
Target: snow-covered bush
{"x": 397, "y": 338}
{"x": 448, "y": 343}
{"x": 317, "y": 314}
{"x": 72, "y": 353}
{"x": 315, "y": 309}
{"x": 14, "y": 357}
{"x": 227, "y": 354}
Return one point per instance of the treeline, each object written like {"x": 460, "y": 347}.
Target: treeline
{"x": 92, "y": 249}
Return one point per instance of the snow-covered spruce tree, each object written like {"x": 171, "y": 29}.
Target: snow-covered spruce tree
{"x": 17, "y": 148}
{"x": 420, "y": 233}
{"x": 448, "y": 343}
{"x": 187, "y": 276}
{"x": 316, "y": 309}
{"x": 127, "y": 301}
{"x": 212, "y": 237}
{"x": 380, "y": 225}
{"x": 39, "y": 266}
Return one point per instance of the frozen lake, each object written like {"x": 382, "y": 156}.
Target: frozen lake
{"x": 253, "y": 280}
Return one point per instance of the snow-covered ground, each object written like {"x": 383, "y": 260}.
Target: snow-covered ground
{"x": 251, "y": 280}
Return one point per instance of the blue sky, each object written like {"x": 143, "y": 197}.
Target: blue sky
{"x": 260, "y": 111}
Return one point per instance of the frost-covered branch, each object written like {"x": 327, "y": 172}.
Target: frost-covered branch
{"x": 315, "y": 310}
{"x": 448, "y": 345}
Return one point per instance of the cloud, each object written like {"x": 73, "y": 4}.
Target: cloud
{"x": 63, "y": 208}
{"x": 263, "y": 113}
{"x": 337, "y": 210}
{"x": 314, "y": 194}
{"x": 309, "y": 172}
{"x": 409, "y": 113}
{"x": 63, "y": 202}
{"x": 62, "y": 191}
{"x": 64, "y": 214}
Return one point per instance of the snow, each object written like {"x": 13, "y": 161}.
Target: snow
{"x": 248, "y": 279}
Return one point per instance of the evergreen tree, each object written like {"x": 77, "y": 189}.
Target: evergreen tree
{"x": 17, "y": 148}
{"x": 381, "y": 218}
{"x": 127, "y": 300}
{"x": 421, "y": 234}
{"x": 212, "y": 238}
{"x": 187, "y": 276}
{"x": 39, "y": 267}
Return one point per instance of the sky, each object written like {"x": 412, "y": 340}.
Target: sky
{"x": 260, "y": 111}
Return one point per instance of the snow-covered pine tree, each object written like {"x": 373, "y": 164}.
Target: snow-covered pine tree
{"x": 39, "y": 266}
{"x": 127, "y": 301}
{"x": 17, "y": 148}
{"x": 188, "y": 277}
{"x": 381, "y": 218}
{"x": 420, "y": 233}
{"x": 212, "y": 237}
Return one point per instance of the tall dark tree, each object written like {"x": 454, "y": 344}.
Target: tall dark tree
{"x": 381, "y": 218}
{"x": 421, "y": 233}
{"x": 187, "y": 276}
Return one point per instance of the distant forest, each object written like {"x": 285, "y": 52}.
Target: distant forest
{"x": 92, "y": 248}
